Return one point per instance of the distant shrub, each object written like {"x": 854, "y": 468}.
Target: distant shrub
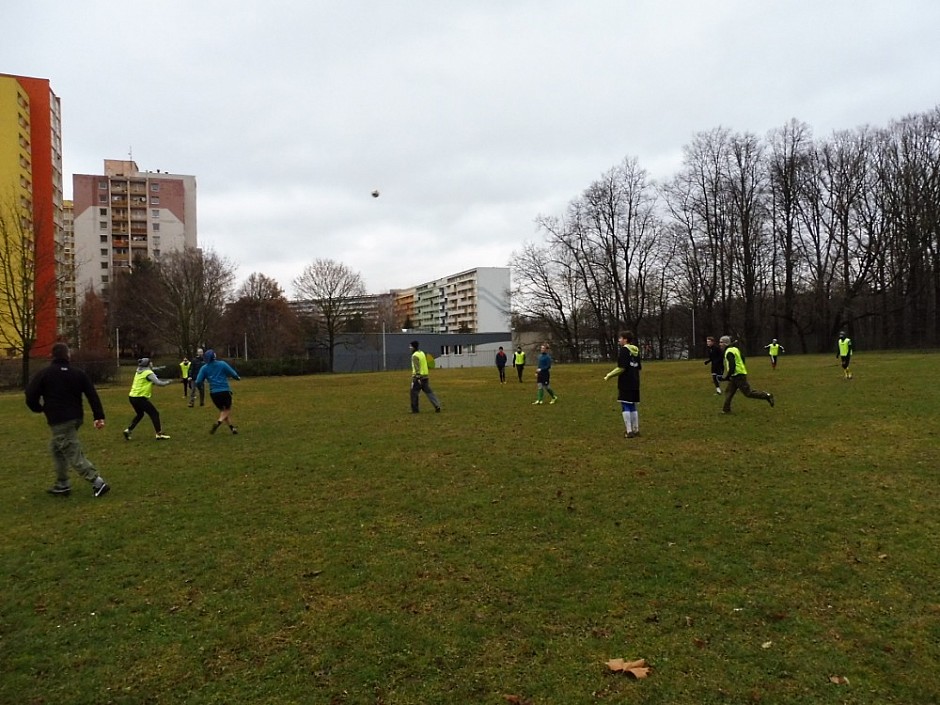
{"x": 98, "y": 365}
{"x": 279, "y": 367}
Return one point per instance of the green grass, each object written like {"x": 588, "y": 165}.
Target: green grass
{"x": 342, "y": 550}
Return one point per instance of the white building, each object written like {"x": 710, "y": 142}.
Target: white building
{"x": 124, "y": 214}
{"x": 473, "y": 301}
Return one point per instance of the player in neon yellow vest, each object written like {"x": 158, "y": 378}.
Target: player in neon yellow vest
{"x": 775, "y": 349}
{"x": 139, "y": 397}
{"x": 845, "y": 353}
{"x": 185, "y": 364}
{"x": 419, "y": 379}
{"x": 518, "y": 361}
{"x": 736, "y": 374}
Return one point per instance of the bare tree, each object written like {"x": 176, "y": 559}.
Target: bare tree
{"x": 27, "y": 281}
{"x": 196, "y": 286}
{"x": 262, "y": 318}
{"x": 331, "y": 289}
{"x": 93, "y": 325}
{"x": 549, "y": 289}
{"x": 788, "y": 166}
{"x": 133, "y": 299}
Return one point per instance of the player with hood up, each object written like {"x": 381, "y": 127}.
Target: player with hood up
{"x": 218, "y": 372}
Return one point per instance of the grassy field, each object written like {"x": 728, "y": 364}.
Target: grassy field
{"x": 342, "y": 550}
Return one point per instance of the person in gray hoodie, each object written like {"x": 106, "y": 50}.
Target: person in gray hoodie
{"x": 139, "y": 397}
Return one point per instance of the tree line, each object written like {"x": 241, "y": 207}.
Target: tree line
{"x": 788, "y": 237}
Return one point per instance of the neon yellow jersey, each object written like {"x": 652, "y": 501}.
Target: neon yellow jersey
{"x": 845, "y": 347}
{"x": 774, "y": 349}
{"x": 739, "y": 367}
{"x": 184, "y": 368}
{"x": 142, "y": 387}
{"x": 419, "y": 363}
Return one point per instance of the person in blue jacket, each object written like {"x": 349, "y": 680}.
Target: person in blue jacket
{"x": 218, "y": 372}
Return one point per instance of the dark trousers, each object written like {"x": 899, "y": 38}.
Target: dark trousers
{"x": 143, "y": 405}
{"x": 418, "y": 385}
{"x": 519, "y": 369}
{"x": 740, "y": 382}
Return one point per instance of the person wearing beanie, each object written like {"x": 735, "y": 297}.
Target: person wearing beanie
{"x": 627, "y": 373}
{"x": 518, "y": 361}
{"x": 56, "y": 391}
{"x": 419, "y": 378}
{"x": 218, "y": 372}
{"x": 139, "y": 397}
{"x": 736, "y": 374}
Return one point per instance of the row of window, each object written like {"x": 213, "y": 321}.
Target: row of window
{"x": 135, "y": 212}
{"x": 103, "y": 186}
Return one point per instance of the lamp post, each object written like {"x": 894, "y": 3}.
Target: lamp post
{"x": 117, "y": 345}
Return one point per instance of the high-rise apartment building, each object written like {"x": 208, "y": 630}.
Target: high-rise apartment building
{"x": 473, "y": 301}
{"x": 31, "y": 200}
{"x": 67, "y": 299}
{"x": 125, "y": 214}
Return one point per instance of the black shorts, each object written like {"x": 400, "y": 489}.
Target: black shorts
{"x": 222, "y": 400}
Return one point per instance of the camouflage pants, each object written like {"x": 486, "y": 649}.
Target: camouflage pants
{"x": 67, "y": 453}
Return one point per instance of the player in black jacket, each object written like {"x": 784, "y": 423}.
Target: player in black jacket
{"x": 56, "y": 391}
{"x": 717, "y": 361}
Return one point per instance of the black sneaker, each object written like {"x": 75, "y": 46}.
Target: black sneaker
{"x": 58, "y": 491}
{"x": 102, "y": 489}
{"x": 127, "y": 434}
{"x": 215, "y": 427}
{"x": 770, "y": 400}
{"x": 234, "y": 430}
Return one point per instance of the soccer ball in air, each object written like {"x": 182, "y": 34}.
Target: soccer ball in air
{"x": 375, "y": 193}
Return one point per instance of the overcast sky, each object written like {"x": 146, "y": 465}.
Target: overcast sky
{"x": 472, "y": 118}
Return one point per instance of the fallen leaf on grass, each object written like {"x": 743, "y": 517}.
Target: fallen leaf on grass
{"x": 516, "y": 700}
{"x": 635, "y": 669}
{"x": 839, "y": 680}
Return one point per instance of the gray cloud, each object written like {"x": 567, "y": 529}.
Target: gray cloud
{"x": 471, "y": 118}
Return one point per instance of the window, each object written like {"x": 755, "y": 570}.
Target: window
{"x": 155, "y": 212}
{"x": 104, "y": 265}
{"x": 154, "y": 187}
{"x": 104, "y": 251}
{"x": 104, "y": 238}
{"x": 104, "y": 278}
{"x": 103, "y": 225}
{"x": 156, "y": 227}
{"x": 102, "y": 185}
{"x": 102, "y": 211}
{"x": 154, "y": 200}
{"x": 103, "y": 198}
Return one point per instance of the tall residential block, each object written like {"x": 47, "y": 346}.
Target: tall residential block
{"x": 125, "y": 214}
{"x": 31, "y": 204}
{"x": 473, "y": 301}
